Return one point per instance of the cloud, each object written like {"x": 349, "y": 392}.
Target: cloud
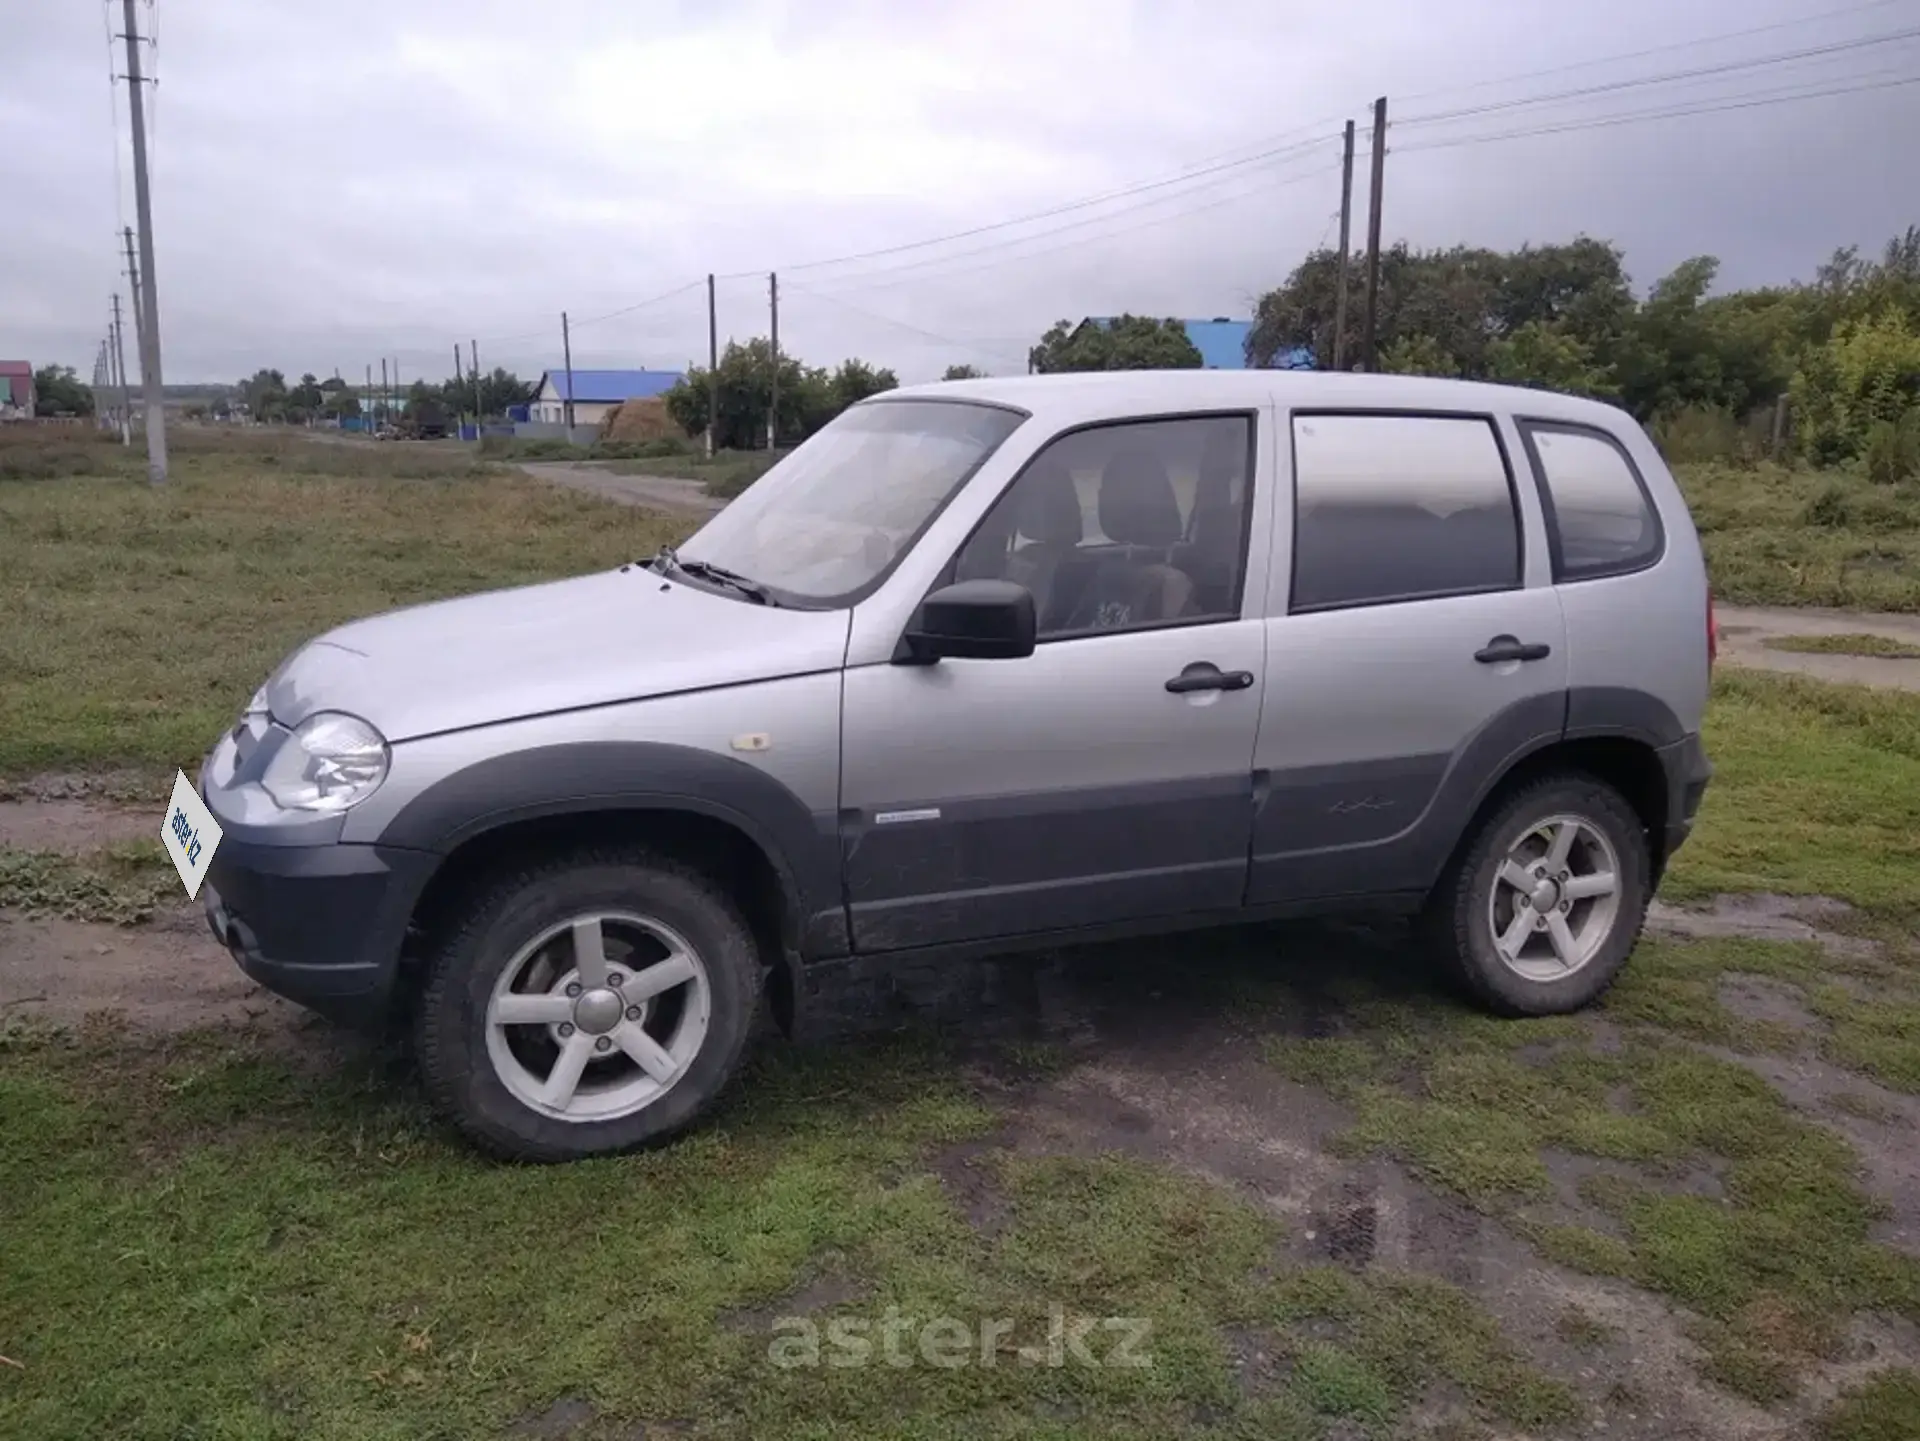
{"x": 340, "y": 184}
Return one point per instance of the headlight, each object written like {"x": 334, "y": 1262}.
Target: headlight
{"x": 329, "y": 762}
{"x": 258, "y": 705}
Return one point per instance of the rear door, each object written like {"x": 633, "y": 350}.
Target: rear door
{"x": 1419, "y": 650}
{"x": 1107, "y": 777}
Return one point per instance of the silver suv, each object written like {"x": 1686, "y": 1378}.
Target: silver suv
{"x": 989, "y": 665}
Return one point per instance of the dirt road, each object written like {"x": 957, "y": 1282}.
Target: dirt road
{"x": 1745, "y": 631}
{"x": 657, "y": 492}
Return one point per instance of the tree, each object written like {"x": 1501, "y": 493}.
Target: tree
{"x": 265, "y": 395}
{"x": 809, "y": 397}
{"x": 58, "y": 391}
{"x": 1418, "y": 355}
{"x": 855, "y": 380}
{"x": 963, "y": 372}
{"x": 303, "y": 402}
{"x": 1548, "y": 357}
{"x": 1128, "y": 342}
{"x": 1865, "y": 377}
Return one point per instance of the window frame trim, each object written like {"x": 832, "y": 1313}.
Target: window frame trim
{"x": 1249, "y": 414}
{"x": 1488, "y": 418}
{"x": 1550, "y": 513}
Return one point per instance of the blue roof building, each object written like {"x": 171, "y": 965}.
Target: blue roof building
{"x": 595, "y": 393}
{"x": 1222, "y": 344}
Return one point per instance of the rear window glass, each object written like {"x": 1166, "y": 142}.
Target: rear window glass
{"x": 1602, "y": 519}
{"x": 1399, "y": 507}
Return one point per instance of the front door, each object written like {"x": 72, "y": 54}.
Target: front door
{"x": 1424, "y": 650}
{"x": 1108, "y": 776}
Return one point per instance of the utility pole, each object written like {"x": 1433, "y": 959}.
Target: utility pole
{"x": 150, "y": 307}
{"x": 1367, "y": 357}
{"x": 1346, "y": 235}
{"x": 386, "y": 409}
{"x": 366, "y": 402}
{"x": 458, "y": 386}
{"x": 566, "y": 359}
{"x": 479, "y": 406}
{"x": 139, "y": 316}
{"x": 120, "y": 375}
{"x": 773, "y": 409}
{"x": 713, "y": 367}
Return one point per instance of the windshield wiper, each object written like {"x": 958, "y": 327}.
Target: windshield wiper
{"x": 666, "y": 560}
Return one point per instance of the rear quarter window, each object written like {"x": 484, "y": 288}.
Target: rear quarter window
{"x": 1600, "y": 518}
{"x": 1394, "y": 507}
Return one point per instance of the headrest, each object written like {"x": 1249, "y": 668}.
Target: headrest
{"x": 1050, "y": 505}
{"x": 1137, "y": 504}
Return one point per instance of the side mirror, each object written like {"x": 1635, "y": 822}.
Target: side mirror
{"x": 974, "y": 620}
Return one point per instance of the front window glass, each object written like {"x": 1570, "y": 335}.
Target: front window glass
{"x": 829, "y": 521}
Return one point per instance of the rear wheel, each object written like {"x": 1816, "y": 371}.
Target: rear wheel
{"x": 1546, "y": 902}
{"x": 590, "y": 1005}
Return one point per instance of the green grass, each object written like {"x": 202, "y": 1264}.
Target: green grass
{"x": 140, "y": 620}
{"x": 1851, "y": 643}
{"x": 226, "y": 1243}
{"x": 1771, "y": 1266}
{"x": 1816, "y": 790}
{"x": 1887, "y": 1408}
{"x": 120, "y": 885}
{"x": 1775, "y": 536}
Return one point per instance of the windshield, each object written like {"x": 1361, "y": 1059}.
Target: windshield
{"x": 827, "y": 523}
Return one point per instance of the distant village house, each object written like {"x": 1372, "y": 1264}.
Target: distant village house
{"x": 597, "y": 393}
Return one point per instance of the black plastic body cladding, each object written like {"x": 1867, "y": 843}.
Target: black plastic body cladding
{"x": 644, "y": 775}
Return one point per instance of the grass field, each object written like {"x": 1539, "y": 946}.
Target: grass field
{"x": 139, "y": 620}
{"x": 237, "y": 1233}
{"x": 1785, "y": 537}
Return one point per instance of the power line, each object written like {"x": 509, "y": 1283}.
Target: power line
{"x": 113, "y": 111}
{"x": 979, "y": 345}
{"x": 1277, "y": 153}
{"x": 1610, "y": 87}
{"x": 1695, "y": 44}
{"x": 861, "y": 283}
{"x": 1672, "y": 113}
{"x": 996, "y": 247}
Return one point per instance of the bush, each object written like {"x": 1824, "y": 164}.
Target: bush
{"x": 1830, "y": 509}
{"x": 1892, "y": 450}
{"x": 1698, "y": 434}
{"x": 659, "y": 448}
{"x": 34, "y": 453}
{"x": 1866, "y": 375}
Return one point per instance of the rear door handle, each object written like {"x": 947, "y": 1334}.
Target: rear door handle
{"x": 1507, "y": 647}
{"x": 1204, "y": 676}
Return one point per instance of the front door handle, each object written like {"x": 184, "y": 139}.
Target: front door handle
{"x": 1204, "y": 676}
{"x": 1507, "y": 647}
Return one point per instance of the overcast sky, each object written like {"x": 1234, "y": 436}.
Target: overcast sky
{"x": 339, "y": 182}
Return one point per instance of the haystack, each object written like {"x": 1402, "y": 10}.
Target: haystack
{"x": 638, "y": 420}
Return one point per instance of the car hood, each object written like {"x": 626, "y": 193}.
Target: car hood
{"x": 623, "y": 635}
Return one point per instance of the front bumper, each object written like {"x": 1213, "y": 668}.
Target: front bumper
{"x": 320, "y": 925}
{"x": 1687, "y": 771}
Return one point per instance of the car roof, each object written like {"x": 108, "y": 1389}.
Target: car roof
{"x": 1064, "y": 399}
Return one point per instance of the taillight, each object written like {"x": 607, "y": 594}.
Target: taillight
{"x": 1713, "y": 634}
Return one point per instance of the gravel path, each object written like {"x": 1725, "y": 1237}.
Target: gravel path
{"x": 657, "y": 492}
{"x": 1745, "y": 630}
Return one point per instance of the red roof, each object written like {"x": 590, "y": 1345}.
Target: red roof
{"x": 16, "y": 367}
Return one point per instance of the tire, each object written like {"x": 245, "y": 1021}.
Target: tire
{"x": 484, "y": 1073}
{"x": 1478, "y": 893}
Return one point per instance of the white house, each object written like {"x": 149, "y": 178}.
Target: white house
{"x": 596, "y": 392}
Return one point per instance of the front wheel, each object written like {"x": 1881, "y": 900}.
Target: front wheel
{"x": 1546, "y": 902}
{"x": 592, "y": 1004}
